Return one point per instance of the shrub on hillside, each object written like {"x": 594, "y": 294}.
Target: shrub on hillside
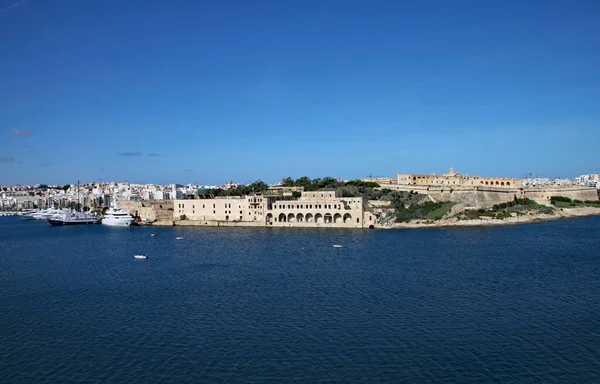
{"x": 502, "y": 215}
{"x": 426, "y": 210}
{"x": 563, "y": 199}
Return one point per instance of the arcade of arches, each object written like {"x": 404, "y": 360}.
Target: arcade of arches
{"x": 317, "y": 218}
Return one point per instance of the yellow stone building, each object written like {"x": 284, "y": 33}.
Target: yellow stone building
{"x": 312, "y": 209}
{"x": 455, "y": 179}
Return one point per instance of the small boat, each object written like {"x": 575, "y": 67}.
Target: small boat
{"x": 337, "y": 246}
{"x": 179, "y": 238}
{"x": 140, "y": 256}
{"x": 153, "y": 234}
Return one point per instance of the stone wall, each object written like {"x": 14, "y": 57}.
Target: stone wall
{"x": 149, "y": 210}
{"x": 232, "y": 208}
{"x": 486, "y": 197}
{"x": 472, "y": 198}
{"x": 542, "y": 195}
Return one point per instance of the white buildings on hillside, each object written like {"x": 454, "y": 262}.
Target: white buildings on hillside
{"x": 591, "y": 180}
{"x": 536, "y": 181}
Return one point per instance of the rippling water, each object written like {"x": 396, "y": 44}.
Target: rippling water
{"x": 468, "y": 305}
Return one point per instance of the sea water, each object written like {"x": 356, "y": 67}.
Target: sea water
{"x": 279, "y": 305}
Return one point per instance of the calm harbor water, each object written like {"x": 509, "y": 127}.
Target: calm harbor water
{"x": 470, "y": 305}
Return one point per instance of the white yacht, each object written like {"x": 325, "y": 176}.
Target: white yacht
{"x": 26, "y": 212}
{"x": 45, "y": 214}
{"x": 73, "y": 218}
{"x": 117, "y": 217}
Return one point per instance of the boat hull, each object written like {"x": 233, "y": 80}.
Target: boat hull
{"x": 60, "y": 223}
{"x": 118, "y": 222}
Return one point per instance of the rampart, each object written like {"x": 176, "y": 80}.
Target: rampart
{"x": 542, "y": 195}
{"x": 149, "y": 210}
{"x": 486, "y": 197}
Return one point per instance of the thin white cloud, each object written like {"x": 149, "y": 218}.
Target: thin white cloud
{"x": 15, "y": 5}
{"x": 20, "y": 132}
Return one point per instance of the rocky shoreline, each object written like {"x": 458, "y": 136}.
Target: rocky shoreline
{"x": 484, "y": 222}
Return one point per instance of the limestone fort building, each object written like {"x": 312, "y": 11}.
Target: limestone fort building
{"x": 311, "y": 209}
{"x": 455, "y": 179}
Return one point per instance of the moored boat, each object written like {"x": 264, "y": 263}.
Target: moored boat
{"x": 73, "y": 218}
{"x": 117, "y": 217}
{"x": 45, "y": 214}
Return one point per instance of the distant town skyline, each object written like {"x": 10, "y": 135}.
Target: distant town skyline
{"x": 207, "y": 92}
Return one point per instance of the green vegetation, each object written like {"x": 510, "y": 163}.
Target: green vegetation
{"x": 364, "y": 184}
{"x": 325, "y": 183}
{"x": 312, "y": 184}
{"x": 565, "y": 202}
{"x": 354, "y": 188}
{"x": 426, "y": 210}
{"x": 241, "y": 190}
{"x": 502, "y": 215}
{"x": 518, "y": 207}
{"x": 517, "y": 204}
{"x": 563, "y": 199}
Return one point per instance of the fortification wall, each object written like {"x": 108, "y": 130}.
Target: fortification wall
{"x": 483, "y": 197}
{"x": 474, "y": 199}
{"x": 543, "y": 195}
{"x": 150, "y": 210}
{"x": 487, "y": 198}
{"x": 130, "y": 206}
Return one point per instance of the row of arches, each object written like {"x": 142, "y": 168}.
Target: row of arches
{"x": 318, "y": 218}
{"x": 500, "y": 183}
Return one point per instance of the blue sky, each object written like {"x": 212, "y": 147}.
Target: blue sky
{"x": 210, "y": 91}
